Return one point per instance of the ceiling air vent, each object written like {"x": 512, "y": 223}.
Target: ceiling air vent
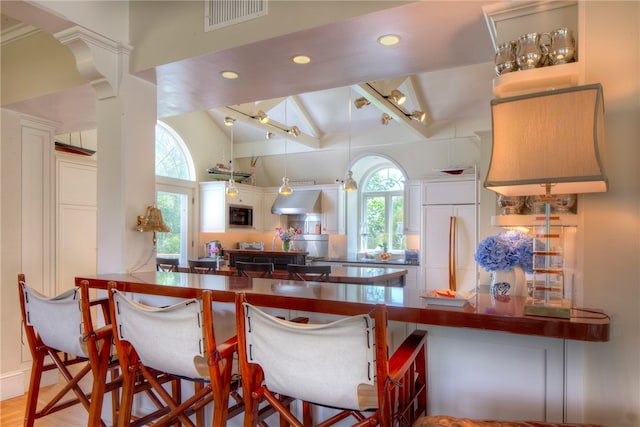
{"x": 221, "y": 13}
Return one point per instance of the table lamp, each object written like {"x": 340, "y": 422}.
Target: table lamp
{"x": 548, "y": 143}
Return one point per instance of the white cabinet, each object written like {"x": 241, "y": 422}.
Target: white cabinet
{"x": 332, "y": 209}
{"x": 214, "y": 206}
{"x": 269, "y": 220}
{"x": 465, "y": 363}
{"x": 213, "y": 212}
{"x": 412, "y": 205}
{"x": 447, "y": 200}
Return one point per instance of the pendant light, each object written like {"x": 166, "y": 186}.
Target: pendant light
{"x": 285, "y": 189}
{"x": 350, "y": 183}
{"x": 232, "y": 190}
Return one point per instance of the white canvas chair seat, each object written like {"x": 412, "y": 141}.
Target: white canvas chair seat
{"x": 165, "y": 338}
{"x": 178, "y": 340}
{"x": 63, "y": 324}
{"x": 329, "y": 364}
{"x": 57, "y": 319}
{"x": 344, "y": 365}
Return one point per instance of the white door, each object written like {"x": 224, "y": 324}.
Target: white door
{"x": 176, "y": 204}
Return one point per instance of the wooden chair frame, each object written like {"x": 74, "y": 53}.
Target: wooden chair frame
{"x": 218, "y": 389}
{"x": 265, "y": 269}
{"x": 402, "y": 392}
{"x": 317, "y": 273}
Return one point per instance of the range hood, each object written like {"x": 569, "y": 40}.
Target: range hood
{"x": 300, "y": 202}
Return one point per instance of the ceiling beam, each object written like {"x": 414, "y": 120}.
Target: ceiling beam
{"x": 386, "y": 106}
{"x": 272, "y": 126}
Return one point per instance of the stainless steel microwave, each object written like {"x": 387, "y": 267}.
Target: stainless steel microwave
{"x": 240, "y": 216}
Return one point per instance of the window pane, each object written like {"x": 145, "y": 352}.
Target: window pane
{"x": 397, "y": 227}
{"x": 375, "y": 220}
{"x": 170, "y": 157}
{"x": 387, "y": 179}
{"x": 172, "y": 206}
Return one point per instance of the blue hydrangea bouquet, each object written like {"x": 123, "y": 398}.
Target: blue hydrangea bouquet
{"x": 506, "y": 250}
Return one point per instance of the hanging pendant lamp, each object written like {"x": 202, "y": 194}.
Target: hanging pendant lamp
{"x": 232, "y": 190}
{"x": 285, "y": 189}
{"x": 350, "y": 183}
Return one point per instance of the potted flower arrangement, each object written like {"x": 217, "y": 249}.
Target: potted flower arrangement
{"x": 286, "y": 236}
{"x": 506, "y": 252}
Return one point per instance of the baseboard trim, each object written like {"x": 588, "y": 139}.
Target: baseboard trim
{"x": 12, "y": 385}
{"x": 16, "y": 383}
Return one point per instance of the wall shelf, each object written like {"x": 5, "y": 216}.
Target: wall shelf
{"x": 537, "y": 80}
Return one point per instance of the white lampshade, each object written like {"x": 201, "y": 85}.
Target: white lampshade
{"x": 550, "y": 138}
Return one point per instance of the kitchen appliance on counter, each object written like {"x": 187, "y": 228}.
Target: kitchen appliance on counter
{"x": 251, "y": 246}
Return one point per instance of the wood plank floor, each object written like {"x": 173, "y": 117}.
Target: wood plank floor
{"x": 12, "y": 412}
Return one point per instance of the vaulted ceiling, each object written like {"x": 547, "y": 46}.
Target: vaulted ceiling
{"x": 443, "y": 64}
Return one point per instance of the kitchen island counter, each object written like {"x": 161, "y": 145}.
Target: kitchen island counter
{"x": 341, "y": 274}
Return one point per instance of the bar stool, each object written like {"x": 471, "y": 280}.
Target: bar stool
{"x": 317, "y": 273}
{"x": 167, "y": 264}
{"x": 201, "y": 266}
{"x": 254, "y": 269}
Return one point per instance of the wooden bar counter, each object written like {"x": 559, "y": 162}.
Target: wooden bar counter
{"x": 404, "y": 305}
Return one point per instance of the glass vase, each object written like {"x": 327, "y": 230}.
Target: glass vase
{"x": 286, "y": 245}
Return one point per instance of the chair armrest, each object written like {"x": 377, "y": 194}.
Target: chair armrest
{"x": 404, "y": 356}
{"x": 227, "y": 348}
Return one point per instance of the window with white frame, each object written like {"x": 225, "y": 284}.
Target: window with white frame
{"x": 175, "y": 183}
{"x": 382, "y": 210}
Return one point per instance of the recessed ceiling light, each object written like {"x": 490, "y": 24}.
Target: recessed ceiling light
{"x": 389, "y": 40}
{"x": 229, "y": 75}
{"x": 301, "y": 59}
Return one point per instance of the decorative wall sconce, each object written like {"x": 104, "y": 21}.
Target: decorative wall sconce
{"x": 152, "y": 221}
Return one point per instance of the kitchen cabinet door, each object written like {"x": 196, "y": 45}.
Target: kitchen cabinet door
{"x": 332, "y": 210}
{"x": 436, "y": 246}
{"x": 269, "y": 221}
{"x": 412, "y": 205}
{"x": 212, "y": 207}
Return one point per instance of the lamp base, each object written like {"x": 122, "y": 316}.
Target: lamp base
{"x": 560, "y": 308}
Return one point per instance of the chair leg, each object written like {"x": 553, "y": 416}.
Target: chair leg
{"x": 126, "y": 398}
{"x": 307, "y": 418}
{"x": 34, "y": 390}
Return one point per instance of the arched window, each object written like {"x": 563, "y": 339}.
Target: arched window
{"x": 175, "y": 183}
{"x": 382, "y": 209}
{"x": 173, "y": 159}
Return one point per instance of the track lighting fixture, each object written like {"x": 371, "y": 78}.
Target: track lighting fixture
{"x": 262, "y": 117}
{"x": 397, "y": 97}
{"x": 228, "y": 121}
{"x": 295, "y": 131}
{"x": 361, "y": 102}
{"x": 385, "y": 119}
{"x": 420, "y": 116}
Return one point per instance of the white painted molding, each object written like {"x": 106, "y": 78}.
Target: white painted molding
{"x": 100, "y": 60}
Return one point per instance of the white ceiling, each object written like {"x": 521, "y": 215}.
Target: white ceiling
{"x": 443, "y": 62}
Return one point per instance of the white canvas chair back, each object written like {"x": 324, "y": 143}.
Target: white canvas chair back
{"x": 166, "y": 338}
{"x": 329, "y": 364}
{"x": 57, "y": 319}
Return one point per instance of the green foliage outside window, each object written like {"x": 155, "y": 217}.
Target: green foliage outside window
{"x": 169, "y": 243}
{"x": 383, "y": 211}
